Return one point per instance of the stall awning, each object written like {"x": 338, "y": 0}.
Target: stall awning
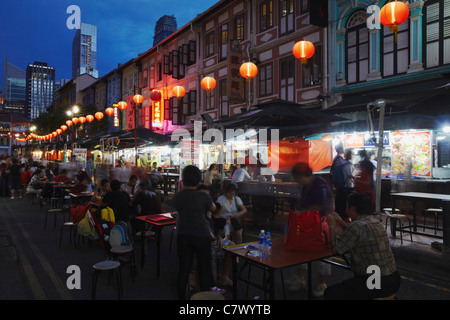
{"x": 277, "y": 113}
{"x": 401, "y": 122}
{"x": 429, "y": 97}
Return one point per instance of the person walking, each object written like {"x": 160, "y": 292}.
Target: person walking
{"x": 316, "y": 196}
{"x": 193, "y": 232}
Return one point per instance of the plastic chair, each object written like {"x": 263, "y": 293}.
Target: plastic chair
{"x": 114, "y": 268}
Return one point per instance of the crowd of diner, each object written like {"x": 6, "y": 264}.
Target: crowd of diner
{"x": 208, "y": 213}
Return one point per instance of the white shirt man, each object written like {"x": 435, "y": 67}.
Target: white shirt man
{"x": 239, "y": 175}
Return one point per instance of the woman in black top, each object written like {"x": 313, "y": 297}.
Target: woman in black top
{"x": 193, "y": 233}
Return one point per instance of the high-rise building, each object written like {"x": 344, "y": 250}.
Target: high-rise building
{"x": 84, "y": 51}
{"x": 14, "y": 82}
{"x": 40, "y": 86}
{"x": 165, "y": 26}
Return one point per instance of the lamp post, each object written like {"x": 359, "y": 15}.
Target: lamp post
{"x": 137, "y": 99}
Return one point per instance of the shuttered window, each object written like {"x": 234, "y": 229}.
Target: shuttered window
{"x": 357, "y": 43}
{"x": 436, "y": 33}
{"x": 395, "y": 55}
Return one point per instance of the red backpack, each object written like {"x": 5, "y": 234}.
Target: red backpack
{"x": 306, "y": 231}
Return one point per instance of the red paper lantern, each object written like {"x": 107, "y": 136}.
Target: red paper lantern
{"x": 208, "y": 83}
{"x": 122, "y": 105}
{"x": 303, "y": 50}
{"x": 179, "y": 92}
{"x": 99, "y": 115}
{"x": 138, "y": 99}
{"x": 69, "y": 123}
{"x": 90, "y": 118}
{"x": 54, "y": 134}
{"x": 109, "y": 111}
{"x": 155, "y": 96}
{"x": 59, "y": 131}
{"x": 248, "y": 70}
{"x": 75, "y": 120}
{"x": 392, "y": 14}
{"x": 82, "y": 120}
{"x": 63, "y": 128}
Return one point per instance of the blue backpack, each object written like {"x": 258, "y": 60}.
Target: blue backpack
{"x": 120, "y": 235}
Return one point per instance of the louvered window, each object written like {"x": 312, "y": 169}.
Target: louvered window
{"x": 436, "y": 33}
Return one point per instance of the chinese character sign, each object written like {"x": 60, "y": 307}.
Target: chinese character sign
{"x": 158, "y": 113}
{"x": 131, "y": 116}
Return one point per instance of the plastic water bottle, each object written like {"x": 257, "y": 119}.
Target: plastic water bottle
{"x": 262, "y": 244}
{"x": 269, "y": 244}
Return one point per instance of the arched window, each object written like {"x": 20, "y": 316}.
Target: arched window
{"x": 436, "y": 33}
{"x": 357, "y": 48}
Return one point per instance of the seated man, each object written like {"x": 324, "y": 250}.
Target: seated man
{"x": 367, "y": 242}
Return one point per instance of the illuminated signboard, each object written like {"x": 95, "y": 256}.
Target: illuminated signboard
{"x": 157, "y": 113}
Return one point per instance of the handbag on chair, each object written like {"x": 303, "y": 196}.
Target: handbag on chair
{"x": 306, "y": 231}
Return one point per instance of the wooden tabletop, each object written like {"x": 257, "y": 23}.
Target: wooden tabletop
{"x": 280, "y": 257}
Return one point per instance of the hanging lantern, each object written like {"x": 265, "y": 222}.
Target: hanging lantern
{"x": 208, "y": 83}
{"x": 54, "y": 134}
{"x": 303, "y": 50}
{"x": 63, "y": 128}
{"x": 179, "y": 92}
{"x": 82, "y": 120}
{"x": 90, "y": 118}
{"x": 109, "y": 111}
{"x": 248, "y": 70}
{"x": 155, "y": 96}
{"x": 392, "y": 14}
{"x": 75, "y": 120}
{"x": 122, "y": 105}
{"x": 138, "y": 99}
{"x": 59, "y": 131}
{"x": 69, "y": 123}
{"x": 99, "y": 115}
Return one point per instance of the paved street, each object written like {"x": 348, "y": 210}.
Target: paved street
{"x": 34, "y": 267}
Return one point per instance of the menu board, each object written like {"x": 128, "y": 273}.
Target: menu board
{"x": 411, "y": 151}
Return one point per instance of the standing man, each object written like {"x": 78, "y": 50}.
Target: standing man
{"x": 342, "y": 178}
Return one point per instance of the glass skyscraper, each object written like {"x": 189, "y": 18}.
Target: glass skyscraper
{"x": 84, "y": 51}
{"x": 14, "y": 82}
{"x": 40, "y": 86}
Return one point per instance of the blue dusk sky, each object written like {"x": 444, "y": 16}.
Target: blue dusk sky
{"x": 33, "y": 30}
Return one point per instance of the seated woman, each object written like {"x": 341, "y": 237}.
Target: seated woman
{"x": 84, "y": 183}
{"x": 234, "y": 208}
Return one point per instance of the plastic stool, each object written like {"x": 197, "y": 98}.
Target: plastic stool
{"x": 436, "y": 212}
{"x": 73, "y": 228}
{"x": 55, "y": 212}
{"x": 397, "y": 217}
{"x": 112, "y": 267}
